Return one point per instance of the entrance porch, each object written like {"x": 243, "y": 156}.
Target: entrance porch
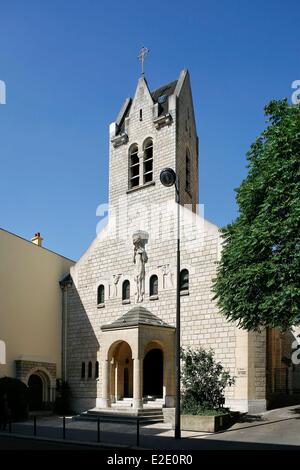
{"x": 137, "y": 363}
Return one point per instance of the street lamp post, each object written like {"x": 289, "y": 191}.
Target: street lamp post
{"x": 169, "y": 178}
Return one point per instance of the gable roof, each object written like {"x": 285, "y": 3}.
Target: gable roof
{"x": 159, "y": 95}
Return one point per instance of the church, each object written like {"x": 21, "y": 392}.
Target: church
{"x": 117, "y": 304}
{"x": 119, "y": 335}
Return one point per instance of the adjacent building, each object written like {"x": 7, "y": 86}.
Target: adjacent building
{"x": 30, "y": 313}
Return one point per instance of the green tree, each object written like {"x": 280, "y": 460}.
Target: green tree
{"x": 203, "y": 381}
{"x": 258, "y": 279}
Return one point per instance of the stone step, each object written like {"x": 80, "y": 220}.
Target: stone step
{"x": 124, "y": 410}
{"x": 121, "y": 419}
{"x": 153, "y": 404}
{"x": 146, "y": 406}
{"x": 122, "y": 415}
{"x": 120, "y": 405}
{"x": 128, "y": 403}
{"x": 151, "y": 399}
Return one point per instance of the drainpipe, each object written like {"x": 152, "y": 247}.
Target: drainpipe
{"x": 63, "y": 334}
{"x": 64, "y": 284}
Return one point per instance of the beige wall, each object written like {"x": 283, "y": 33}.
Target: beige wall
{"x": 30, "y": 302}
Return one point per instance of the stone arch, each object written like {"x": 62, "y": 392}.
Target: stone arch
{"x": 47, "y": 384}
{"x": 189, "y": 269}
{"x": 154, "y": 375}
{"x": 153, "y": 285}
{"x": 148, "y": 155}
{"x": 105, "y": 284}
{"x": 120, "y": 361}
{"x": 133, "y": 166}
{"x": 147, "y": 140}
{"x": 155, "y": 343}
{"x": 149, "y": 274}
{"x": 43, "y": 372}
{"x": 126, "y": 290}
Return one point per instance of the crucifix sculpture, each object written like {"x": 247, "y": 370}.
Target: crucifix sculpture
{"x": 143, "y": 52}
{"x": 140, "y": 258}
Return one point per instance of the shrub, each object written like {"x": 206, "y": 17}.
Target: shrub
{"x": 17, "y": 397}
{"x": 203, "y": 381}
{"x": 258, "y": 279}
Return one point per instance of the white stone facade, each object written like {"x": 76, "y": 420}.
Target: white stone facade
{"x": 111, "y": 254}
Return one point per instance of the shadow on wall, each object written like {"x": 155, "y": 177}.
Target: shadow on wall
{"x": 82, "y": 354}
{"x": 283, "y": 374}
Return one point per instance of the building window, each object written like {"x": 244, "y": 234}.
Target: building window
{"x": 90, "y": 370}
{"x": 188, "y": 171}
{"x": 141, "y": 114}
{"x": 148, "y": 161}
{"x": 184, "y": 280}
{"x": 134, "y": 171}
{"x": 83, "y": 370}
{"x": 126, "y": 290}
{"x": 153, "y": 285}
{"x": 97, "y": 370}
{"x": 100, "y": 294}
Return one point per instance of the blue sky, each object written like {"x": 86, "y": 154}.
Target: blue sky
{"x": 68, "y": 65}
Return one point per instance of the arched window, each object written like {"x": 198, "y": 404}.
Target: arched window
{"x": 148, "y": 161}
{"x": 134, "y": 170}
{"x": 100, "y": 294}
{"x": 126, "y": 290}
{"x": 83, "y": 370}
{"x": 90, "y": 370}
{"x": 184, "y": 280}
{"x": 187, "y": 171}
{"x": 97, "y": 370}
{"x": 153, "y": 288}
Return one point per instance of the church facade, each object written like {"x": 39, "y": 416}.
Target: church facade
{"x": 120, "y": 300}
{"x": 106, "y": 323}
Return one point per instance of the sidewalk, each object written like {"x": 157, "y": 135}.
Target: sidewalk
{"x": 274, "y": 429}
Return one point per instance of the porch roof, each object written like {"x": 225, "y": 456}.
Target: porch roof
{"x": 134, "y": 317}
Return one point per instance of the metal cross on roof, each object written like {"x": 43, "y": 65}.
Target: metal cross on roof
{"x": 143, "y": 52}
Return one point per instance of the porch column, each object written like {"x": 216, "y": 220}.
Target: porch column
{"x": 116, "y": 391}
{"x": 104, "y": 400}
{"x": 137, "y": 381}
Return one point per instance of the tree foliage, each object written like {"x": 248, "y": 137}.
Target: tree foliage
{"x": 203, "y": 381}
{"x": 258, "y": 279}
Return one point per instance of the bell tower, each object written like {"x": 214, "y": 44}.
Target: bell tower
{"x": 154, "y": 130}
